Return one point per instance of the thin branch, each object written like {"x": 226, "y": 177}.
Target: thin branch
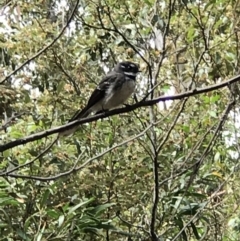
{"x": 132, "y": 225}
{"x": 187, "y": 157}
{"x": 115, "y": 29}
{"x": 126, "y": 40}
{"x": 204, "y": 205}
{"x": 45, "y": 48}
{"x": 172, "y": 125}
{"x": 211, "y": 142}
{"x": 196, "y": 166}
{"x": 163, "y": 54}
{"x": 196, "y": 146}
{"x": 32, "y": 161}
{"x": 10, "y": 119}
{"x": 153, "y": 136}
{"x": 200, "y": 24}
{"x": 75, "y": 168}
{"x": 156, "y": 175}
{"x": 58, "y": 62}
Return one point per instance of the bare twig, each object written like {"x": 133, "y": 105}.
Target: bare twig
{"x": 196, "y": 166}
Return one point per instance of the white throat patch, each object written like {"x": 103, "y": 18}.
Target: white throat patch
{"x": 130, "y": 74}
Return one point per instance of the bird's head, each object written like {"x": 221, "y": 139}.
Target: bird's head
{"x": 128, "y": 68}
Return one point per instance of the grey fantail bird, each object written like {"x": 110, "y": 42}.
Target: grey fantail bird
{"x": 114, "y": 89}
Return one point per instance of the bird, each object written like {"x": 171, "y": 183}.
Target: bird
{"x": 113, "y": 90}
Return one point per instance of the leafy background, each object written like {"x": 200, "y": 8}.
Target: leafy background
{"x": 167, "y": 171}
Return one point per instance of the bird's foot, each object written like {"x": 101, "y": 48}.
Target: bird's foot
{"x": 101, "y": 112}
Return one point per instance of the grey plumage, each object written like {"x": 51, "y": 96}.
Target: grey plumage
{"x": 114, "y": 89}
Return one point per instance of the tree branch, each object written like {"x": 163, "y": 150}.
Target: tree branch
{"x": 67, "y": 126}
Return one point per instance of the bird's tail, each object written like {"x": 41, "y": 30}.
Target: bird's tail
{"x": 78, "y": 115}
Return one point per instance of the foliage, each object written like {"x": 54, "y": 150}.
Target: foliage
{"x": 161, "y": 172}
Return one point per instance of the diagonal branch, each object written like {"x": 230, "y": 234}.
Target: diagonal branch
{"x": 72, "y": 124}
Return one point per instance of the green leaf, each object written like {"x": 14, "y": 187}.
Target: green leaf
{"x": 147, "y": 2}
{"x": 100, "y": 208}
{"x": 23, "y": 235}
{"x": 213, "y": 114}
{"x": 44, "y": 198}
{"x": 214, "y": 98}
{"x": 73, "y": 209}
{"x": 60, "y": 86}
{"x": 52, "y": 213}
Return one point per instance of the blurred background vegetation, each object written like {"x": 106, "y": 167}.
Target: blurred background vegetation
{"x": 165, "y": 172}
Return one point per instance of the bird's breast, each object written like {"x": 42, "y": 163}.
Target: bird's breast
{"x": 119, "y": 96}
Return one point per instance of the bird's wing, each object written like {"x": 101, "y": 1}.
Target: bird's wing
{"x": 97, "y": 95}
